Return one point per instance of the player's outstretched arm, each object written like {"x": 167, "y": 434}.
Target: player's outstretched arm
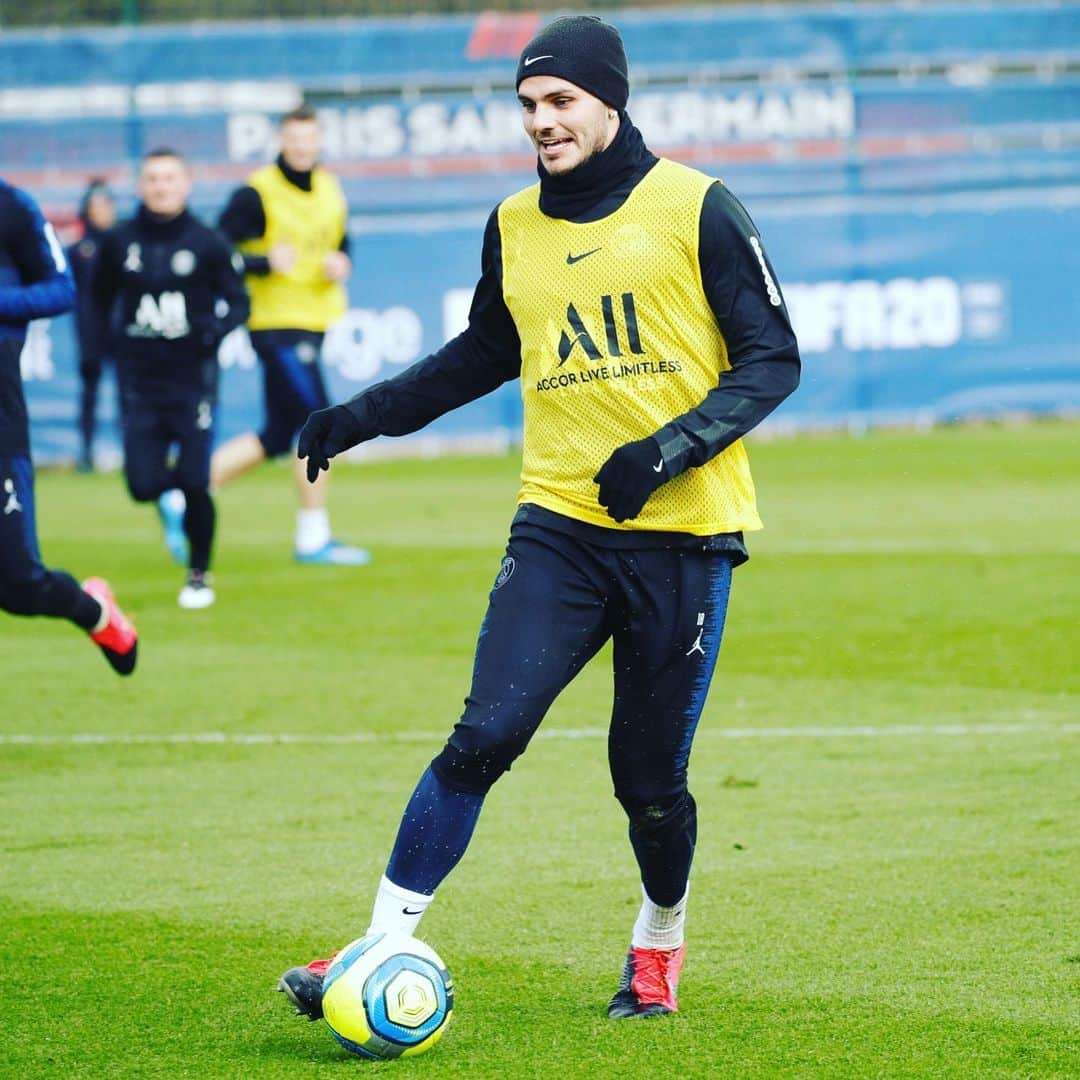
{"x": 479, "y": 360}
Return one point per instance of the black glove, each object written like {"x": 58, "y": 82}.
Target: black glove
{"x": 629, "y": 477}
{"x": 328, "y": 432}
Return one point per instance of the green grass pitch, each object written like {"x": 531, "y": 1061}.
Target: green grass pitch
{"x": 888, "y": 774}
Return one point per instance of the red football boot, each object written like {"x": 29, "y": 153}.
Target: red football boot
{"x": 303, "y": 987}
{"x": 649, "y": 980}
{"x": 117, "y": 639}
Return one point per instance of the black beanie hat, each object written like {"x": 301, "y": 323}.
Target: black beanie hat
{"x": 583, "y": 50}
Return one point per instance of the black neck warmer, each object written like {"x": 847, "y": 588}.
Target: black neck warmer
{"x": 570, "y": 195}
{"x": 296, "y": 177}
{"x": 165, "y": 228}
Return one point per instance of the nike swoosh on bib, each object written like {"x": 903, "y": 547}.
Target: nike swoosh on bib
{"x": 571, "y": 259}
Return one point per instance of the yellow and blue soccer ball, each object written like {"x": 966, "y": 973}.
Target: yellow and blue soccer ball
{"x": 387, "y": 996}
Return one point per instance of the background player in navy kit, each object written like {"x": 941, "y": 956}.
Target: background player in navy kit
{"x": 97, "y": 212}
{"x": 633, "y": 298}
{"x": 35, "y": 283}
{"x": 290, "y": 222}
{"x": 179, "y": 292}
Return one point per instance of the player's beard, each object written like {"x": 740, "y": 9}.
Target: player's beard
{"x": 564, "y": 195}
{"x": 588, "y": 143}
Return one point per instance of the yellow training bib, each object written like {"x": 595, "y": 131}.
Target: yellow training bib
{"x": 313, "y": 223}
{"x": 617, "y": 339}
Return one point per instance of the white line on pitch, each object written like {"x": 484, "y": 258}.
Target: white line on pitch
{"x": 211, "y": 738}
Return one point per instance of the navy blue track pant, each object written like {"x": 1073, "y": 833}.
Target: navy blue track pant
{"x": 27, "y": 586}
{"x": 555, "y": 602}
{"x": 155, "y": 426}
{"x": 168, "y": 439}
{"x": 558, "y": 599}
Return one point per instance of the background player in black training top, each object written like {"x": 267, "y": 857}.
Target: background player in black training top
{"x": 97, "y": 212}
{"x": 179, "y": 293}
{"x": 35, "y": 283}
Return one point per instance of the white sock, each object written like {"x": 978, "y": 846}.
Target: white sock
{"x": 312, "y": 530}
{"x": 397, "y": 909}
{"x": 659, "y": 927}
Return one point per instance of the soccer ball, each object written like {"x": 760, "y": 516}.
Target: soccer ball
{"x": 387, "y": 996}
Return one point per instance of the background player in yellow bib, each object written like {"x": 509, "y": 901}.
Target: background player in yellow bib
{"x": 633, "y": 299}
{"x": 290, "y": 222}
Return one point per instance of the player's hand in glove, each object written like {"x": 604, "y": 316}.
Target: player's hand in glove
{"x": 328, "y": 432}
{"x": 629, "y": 477}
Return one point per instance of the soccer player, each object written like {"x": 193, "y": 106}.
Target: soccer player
{"x": 36, "y": 283}
{"x": 633, "y": 298}
{"x": 289, "y": 221}
{"x": 97, "y": 212}
{"x": 179, "y": 291}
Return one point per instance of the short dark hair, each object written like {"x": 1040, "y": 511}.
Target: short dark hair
{"x": 163, "y": 151}
{"x": 303, "y": 113}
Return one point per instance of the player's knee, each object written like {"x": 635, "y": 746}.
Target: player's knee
{"x": 24, "y": 596}
{"x": 474, "y": 758}
{"x": 15, "y": 599}
{"x": 474, "y": 773}
{"x": 144, "y": 488}
{"x": 655, "y": 817}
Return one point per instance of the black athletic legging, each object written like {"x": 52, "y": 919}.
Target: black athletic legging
{"x": 556, "y": 600}
{"x": 27, "y": 586}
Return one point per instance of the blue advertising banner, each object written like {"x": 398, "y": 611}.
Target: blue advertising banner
{"x": 915, "y": 173}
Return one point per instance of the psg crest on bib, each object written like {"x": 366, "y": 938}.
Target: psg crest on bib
{"x": 387, "y": 996}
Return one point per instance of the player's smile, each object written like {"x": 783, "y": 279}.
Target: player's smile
{"x": 551, "y": 148}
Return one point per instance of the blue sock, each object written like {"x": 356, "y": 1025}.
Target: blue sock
{"x": 435, "y": 831}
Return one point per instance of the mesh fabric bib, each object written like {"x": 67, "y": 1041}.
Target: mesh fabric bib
{"x": 617, "y": 339}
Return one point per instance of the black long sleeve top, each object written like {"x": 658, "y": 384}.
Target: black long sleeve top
{"x": 35, "y": 283}
{"x": 762, "y": 349}
{"x": 740, "y": 287}
{"x": 178, "y": 291}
